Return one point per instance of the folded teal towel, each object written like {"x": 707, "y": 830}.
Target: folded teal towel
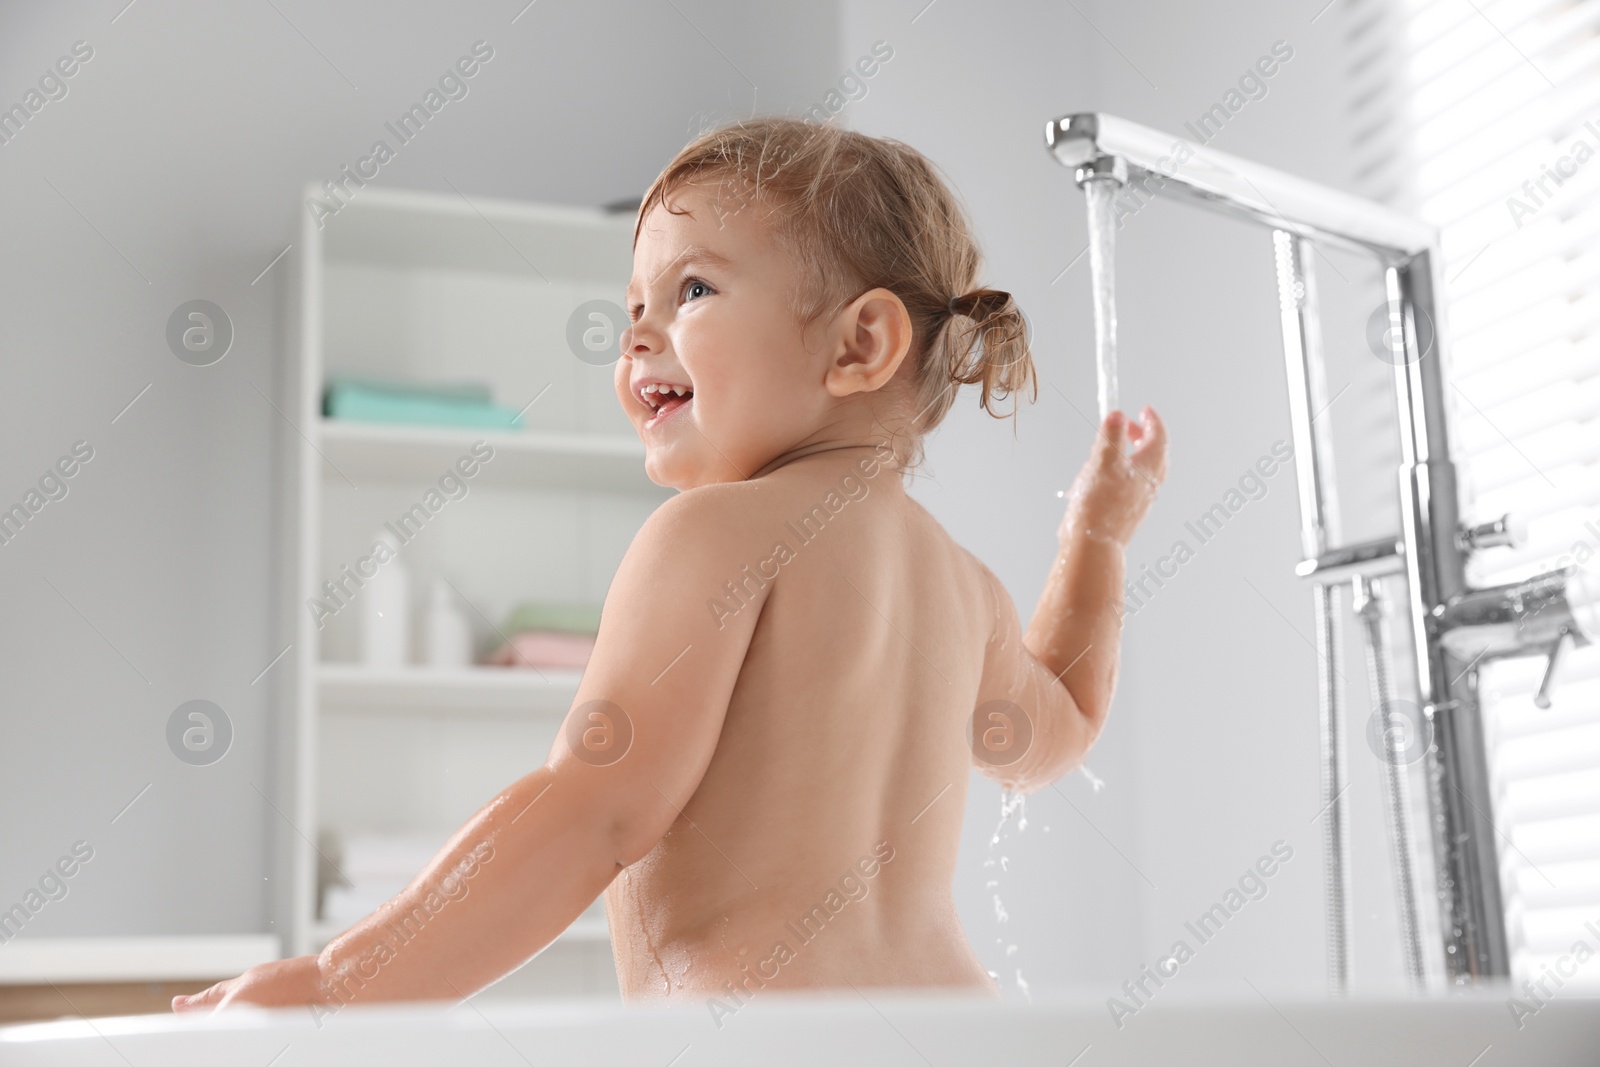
{"x": 463, "y": 391}
{"x": 362, "y": 405}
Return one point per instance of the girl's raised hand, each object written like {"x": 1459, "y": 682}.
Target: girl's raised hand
{"x": 1114, "y": 490}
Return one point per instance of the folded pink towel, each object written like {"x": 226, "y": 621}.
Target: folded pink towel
{"x": 545, "y": 648}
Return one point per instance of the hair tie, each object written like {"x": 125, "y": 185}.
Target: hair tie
{"x": 967, "y": 303}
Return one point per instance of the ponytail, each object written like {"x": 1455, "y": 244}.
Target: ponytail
{"x": 991, "y": 348}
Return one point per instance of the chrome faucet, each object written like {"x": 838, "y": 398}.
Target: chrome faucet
{"x": 1454, "y": 627}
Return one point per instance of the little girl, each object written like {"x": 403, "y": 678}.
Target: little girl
{"x": 766, "y": 764}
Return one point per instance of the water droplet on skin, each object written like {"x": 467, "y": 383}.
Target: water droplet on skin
{"x": 644, "y": 931}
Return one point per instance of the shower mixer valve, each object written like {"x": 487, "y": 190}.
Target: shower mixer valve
{"x": 1535, "y": 616}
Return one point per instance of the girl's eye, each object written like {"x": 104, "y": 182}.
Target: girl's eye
{"x": 690, "y": 285}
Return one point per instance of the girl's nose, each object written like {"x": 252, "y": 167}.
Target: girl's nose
{"x": 641, "y": 338}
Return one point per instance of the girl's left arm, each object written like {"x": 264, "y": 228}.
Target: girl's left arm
{"x": 630, "y": 754}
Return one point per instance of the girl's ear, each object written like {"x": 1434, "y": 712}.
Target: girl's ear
{"x": 873, "y": 335}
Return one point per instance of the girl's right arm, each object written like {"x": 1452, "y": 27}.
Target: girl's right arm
{"x": 1048, "y": 691}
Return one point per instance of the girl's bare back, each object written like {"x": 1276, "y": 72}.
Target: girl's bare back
{"x": 820, "y": 845}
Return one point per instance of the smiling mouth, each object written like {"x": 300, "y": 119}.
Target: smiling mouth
{"x": 664, "y": 403}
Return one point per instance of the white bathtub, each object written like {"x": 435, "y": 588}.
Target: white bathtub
{"x": 1476, "y": 1030}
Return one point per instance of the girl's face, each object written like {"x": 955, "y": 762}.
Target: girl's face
{"x": 709, "y": 314}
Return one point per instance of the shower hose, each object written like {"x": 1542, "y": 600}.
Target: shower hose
{"x": 1396, "y": 793}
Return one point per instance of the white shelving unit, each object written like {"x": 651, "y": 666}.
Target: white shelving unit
{"x": 467, "y": 692}
{"x": 376, "y": 452}
{"x": 586, "y": 930}
{"x": 440, "y": 288}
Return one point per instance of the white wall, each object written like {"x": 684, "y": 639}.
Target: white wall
{"x": 172, "y": 170}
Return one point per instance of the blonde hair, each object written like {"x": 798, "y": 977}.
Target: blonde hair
{"x": 860, "y": 213}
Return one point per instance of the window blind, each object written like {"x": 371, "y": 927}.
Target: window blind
{"x": 1483, "y": 119}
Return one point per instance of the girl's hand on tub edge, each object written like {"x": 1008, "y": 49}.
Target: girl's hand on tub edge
{"x": 292, "y": 982}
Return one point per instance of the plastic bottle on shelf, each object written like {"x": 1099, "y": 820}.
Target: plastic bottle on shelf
{"x": 449, "y": 641}
{"x": 386, "y": 612}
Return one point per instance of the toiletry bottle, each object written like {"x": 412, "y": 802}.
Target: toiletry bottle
{"x": 449, "y": 636}
{"x": 385, "y": 611}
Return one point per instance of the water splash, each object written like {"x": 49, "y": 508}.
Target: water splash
{"x": 1013, "y": 806}
{"x": 1094, "y": 779}
{"x": 1102, "y": 247}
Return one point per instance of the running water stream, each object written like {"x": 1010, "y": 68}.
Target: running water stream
{"x": 1101, "y": 193}
{"x": 1102, "y": 244}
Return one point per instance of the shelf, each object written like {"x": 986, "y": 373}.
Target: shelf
{"x": 586, "y": 930}
{"x": 475, "y": 690}
{"x": 365, "y": 451}
{"x": 406, "y": 229}
{"x": 30, "y": 961}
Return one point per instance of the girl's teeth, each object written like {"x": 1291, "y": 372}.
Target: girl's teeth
{"x": 658, "y": 395}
